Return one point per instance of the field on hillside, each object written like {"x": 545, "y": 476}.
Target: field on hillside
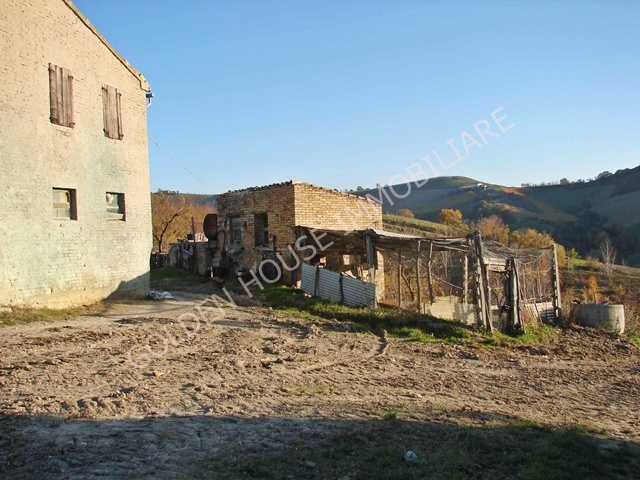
{"x": 261, "y": 393}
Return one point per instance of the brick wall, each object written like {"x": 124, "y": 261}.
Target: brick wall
{"x": 319, "y": 207}
{"x": 63, "y": 262}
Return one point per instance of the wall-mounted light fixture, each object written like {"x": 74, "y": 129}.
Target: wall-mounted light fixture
{"x": 149, "y": 97}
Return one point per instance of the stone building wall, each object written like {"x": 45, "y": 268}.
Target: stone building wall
{"x": 276, "y": 201}
{"x": 49, "y": 262}
{"x": 288, "y": 205}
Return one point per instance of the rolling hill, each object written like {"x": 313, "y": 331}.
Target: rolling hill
{"x": 579, "y": 214}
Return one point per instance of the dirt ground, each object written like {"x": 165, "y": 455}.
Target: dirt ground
{"x": 74, "y": 405}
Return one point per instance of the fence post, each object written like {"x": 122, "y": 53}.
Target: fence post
{"x": 371, "y": 257}
{"x": 194, "y": 266}
{"x": 400, "y": 278}
{"x": 482, "y": 285}
{"x": 418, "y": 276}
{"x": 316, "y": 281}
{"x": 430, "y": 280}
{"x": 555, "y": 279}
{"x": 466, "y": 280}
{"x": 514, "y": 295}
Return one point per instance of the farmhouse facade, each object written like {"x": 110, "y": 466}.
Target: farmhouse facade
{"x": 74, "y": 170}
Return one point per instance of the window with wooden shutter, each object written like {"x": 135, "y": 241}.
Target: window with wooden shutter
{"x": 112, "y": 112}
{"x": 61, "y": 96}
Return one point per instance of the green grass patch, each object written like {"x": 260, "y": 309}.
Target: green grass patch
{"x": 375, "y": 449}
{"x": 532, "y": 336}
{"x": 401, "y": 324}
{"x": 398, "y": 323}
{"x": 173, "y": 273}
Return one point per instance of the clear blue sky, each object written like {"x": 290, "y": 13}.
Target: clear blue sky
{"x": 347, "y": 93}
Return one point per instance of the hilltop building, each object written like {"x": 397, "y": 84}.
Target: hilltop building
{"x": 76, "y": 215}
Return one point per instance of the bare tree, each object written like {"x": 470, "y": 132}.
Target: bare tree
{"x": 608, "y": 254}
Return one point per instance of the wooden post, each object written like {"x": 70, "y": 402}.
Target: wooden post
{"x": 514, "y": 294}
{"x": 484, "y": 283}
{"x": 557, "y": 299}
{"x": 429, "y": 279}
{"x": 316, "y": 281}
{"x": 371, "y": 257}
{"x": 466, "y": 280}
{"x": 400, "y": 277}
{"x": 418, "y": 277}
{"x": 194, "y": 266}
{"x": 477, "y": 284}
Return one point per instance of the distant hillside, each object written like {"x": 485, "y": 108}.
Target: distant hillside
{"x": 579, "y": 214}
{"x": 414, "y": 226}
{"x": 194, "y": 198}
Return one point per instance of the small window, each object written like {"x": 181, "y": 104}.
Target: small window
{"x": 112, "y": 112}
{"x": 115, "y": 206}
{"x": 236, "y": 230}
{"x": 64, "y": 204}
{"x": 261, "y": 229}
{"x": 61, "y": 96}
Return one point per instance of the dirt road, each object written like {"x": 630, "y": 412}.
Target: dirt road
{"x": 75, "y": 403}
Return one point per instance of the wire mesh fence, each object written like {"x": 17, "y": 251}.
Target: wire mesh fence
{"x": 502, "y": 288}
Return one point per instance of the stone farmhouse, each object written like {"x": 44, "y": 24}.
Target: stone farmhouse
{"x": 258, "y": 223}
{"x": 74, "y": 172}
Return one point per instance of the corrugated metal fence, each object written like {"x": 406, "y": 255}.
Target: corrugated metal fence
{"x": 337, "y": 288}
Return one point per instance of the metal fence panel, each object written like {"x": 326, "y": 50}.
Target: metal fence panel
{"x": 355, "y": 292}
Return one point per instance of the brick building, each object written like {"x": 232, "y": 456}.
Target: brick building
{"x": 74, "y": 175}
{"x": 261, "y": 221}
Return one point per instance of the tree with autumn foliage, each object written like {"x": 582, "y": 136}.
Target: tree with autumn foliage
{"x": 171, "y": 218}
{"x": 493, "y": 228}
{"x": 450, "y": 216}
{"x": 532, "y": 238}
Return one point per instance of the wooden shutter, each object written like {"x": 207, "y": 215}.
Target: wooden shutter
{"x": 112, "y": 112}
{"x": 119, "y": 114}
{"x": 53, "y": 94}
{"x": 67, "y": 97}
{"x": 61, "y": 96}
{"x": 106, "y": 110}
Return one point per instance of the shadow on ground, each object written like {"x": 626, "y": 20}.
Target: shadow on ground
{"x": 455, "y": 445}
